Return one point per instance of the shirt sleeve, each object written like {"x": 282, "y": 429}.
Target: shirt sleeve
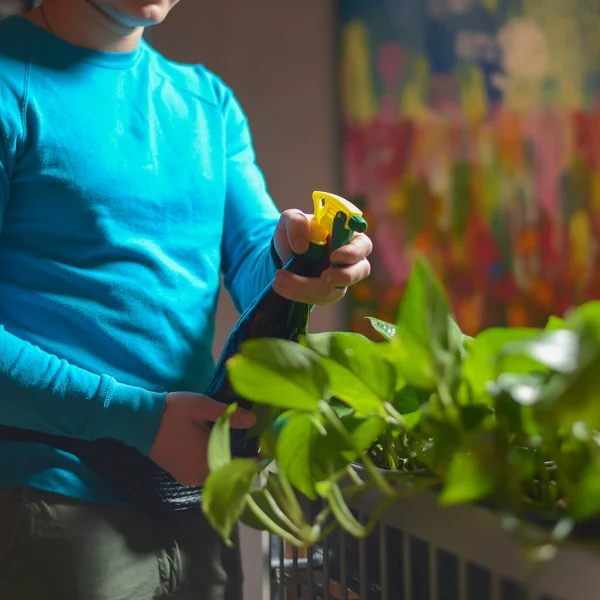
{"x": 42, "y": 392}
{"x": 250, "y": 214}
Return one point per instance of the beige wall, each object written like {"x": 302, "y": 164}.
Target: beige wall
{"x": 277, "y": 55}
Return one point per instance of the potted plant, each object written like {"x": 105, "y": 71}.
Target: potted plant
{"x": 508, "y": 419}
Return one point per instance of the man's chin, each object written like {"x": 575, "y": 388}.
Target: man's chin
{"x": 145, "y": 18}
{"x": 135, "y": 13}
{"x": 151, "y": 14}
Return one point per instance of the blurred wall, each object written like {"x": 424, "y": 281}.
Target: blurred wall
{"x": 279, "y": 59}
{"x": 278, "y": 56}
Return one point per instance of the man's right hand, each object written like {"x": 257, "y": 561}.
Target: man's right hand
{"x": 180, "y": 446}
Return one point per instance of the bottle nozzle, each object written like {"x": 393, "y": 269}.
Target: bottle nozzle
{"x": 357, "y": 224}
{"x": 336, "y": 217}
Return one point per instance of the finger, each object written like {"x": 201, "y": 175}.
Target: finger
{"x": 306, "y": 287}
{"x": 209, "y": 411}
{"x": 242, "y": 419}
{"x": 360, "y": 247}
{"x": 304, "y": 298}
{"x": 347, "y": 276}
{"x": 308, "y": 290}
{"x": 297, "y": 226}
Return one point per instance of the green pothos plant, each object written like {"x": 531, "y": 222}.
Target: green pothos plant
{"x": 510, "y": 419}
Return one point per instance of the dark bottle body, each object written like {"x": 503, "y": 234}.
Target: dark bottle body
{"x": 270, "y": 316}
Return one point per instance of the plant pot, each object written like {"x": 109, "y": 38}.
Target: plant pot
{"x": 584, "y": 532}
{"x": 461, "y": 550}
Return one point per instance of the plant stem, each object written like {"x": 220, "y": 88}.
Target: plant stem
{"x": 396, "y": 417}
{"x": 318, "y": 425}
{"x": 354, "y": 475}
{"x": 444, "y": 394}
{"x": 271, "y": 525}
{"x": 286, "y": 495}
{"x": 278, "y": 512}
{"x": 327, "y": 531}
{"x": 544, "y": 479}
{"x": 359, "y": 530}
{"x": 322, "y": 516}
{"x": 339, "y": 426}
{"x": 354, "y": 491}
{"x": 316, "y": 529}
{"x": 343, "y": 513}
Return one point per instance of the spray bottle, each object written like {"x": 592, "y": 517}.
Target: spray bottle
{"x": 333, "y": 225}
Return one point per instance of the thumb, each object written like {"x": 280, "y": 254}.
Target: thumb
{"x": 209, "y": 411}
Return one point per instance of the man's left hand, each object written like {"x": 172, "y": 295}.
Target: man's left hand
{"x": 293, "y": 235}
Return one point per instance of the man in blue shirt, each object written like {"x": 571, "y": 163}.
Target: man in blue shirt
{"x": 128, "y": 184}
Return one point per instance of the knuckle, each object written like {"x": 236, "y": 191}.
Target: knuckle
{"x": 367, "y": 267}
{"x": 293, "y": 215}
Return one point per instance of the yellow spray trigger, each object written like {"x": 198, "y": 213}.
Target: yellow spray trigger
{"x": 336, "y": 217}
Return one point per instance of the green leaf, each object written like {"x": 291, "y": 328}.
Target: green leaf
{"x": 347, "y": 387}
{"x": 458, "y": 339}
{"x": 270, "y": 436}
{"x": 295, "y": 452}
{"x": 359, "y": 373}
{"x": 443, "y": 427}
{"x": 468, "y": 479}
{"x": 409, "y": 400}
{"x": 280, "y": 373}
{"x": 555, "y": 323}
{"x": 265, "y": 415}
{"x": 586, "y": 503}
{"x": 365, "y": 434}
{"x": 467, "y": 345}
{"x": 585, "y": 317}
{"x": 224, "y": 494}
{"x": 333, "y": 453}
{"x": 473, "y": 414}
{"x": 570, "y": 361}
{"x": 428, "y": 343}
{"x": 412, "y": 419}
{"x": 387, "y": 330}
{"x": 480, "y": 366}
{"x": 341, "y": 409}
{"x": 424, "y": 310}
{"x": 570, "y": 398}
{"x": 413, "y": 362}
{"x": 525, "y": 389}
{"x": 556, "y": 350}
{"x": 219, "y": 442}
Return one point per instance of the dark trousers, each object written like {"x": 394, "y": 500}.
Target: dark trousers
{"x": 58, "y": 548}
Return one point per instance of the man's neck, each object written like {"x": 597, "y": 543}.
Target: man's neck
{"x": 82, "y": 24}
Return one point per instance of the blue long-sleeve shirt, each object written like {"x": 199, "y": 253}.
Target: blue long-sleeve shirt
{"x": 128, "y": 184}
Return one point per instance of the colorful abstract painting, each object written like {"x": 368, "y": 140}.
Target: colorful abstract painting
{"x": 472, "y": 135}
